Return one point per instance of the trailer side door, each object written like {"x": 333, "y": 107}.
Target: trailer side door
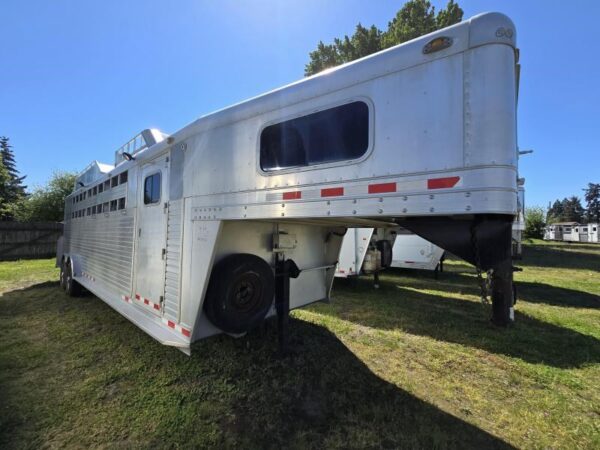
{"x": 151, "y": 237}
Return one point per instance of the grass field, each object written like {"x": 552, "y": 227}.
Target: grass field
{"x": 415, "y": 364}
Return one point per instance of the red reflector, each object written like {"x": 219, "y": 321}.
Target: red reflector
{"x": 171, "y": 324}
{"x": 137, "y": 296}
{"x": 156, "y": 306}
{"x": 381, "y": 188}
{"x": 442, "y": 183}
{"x": 186, "y": 332}
{"x": 146, "y": 302}
{"x": 292, "y": 195}
{"x": 332, "y": 192}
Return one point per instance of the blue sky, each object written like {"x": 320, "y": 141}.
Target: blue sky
{"x": 78, "y": 79}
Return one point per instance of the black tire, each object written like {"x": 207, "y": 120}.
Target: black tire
{"x": 72, "y": 287}
{"x": 240, "y": 293}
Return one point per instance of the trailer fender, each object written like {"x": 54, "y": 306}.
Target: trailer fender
{"x": 75, "y": 262}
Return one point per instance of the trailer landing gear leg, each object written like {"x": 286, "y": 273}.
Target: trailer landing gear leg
{"x": 376, "y": 280}
{"x": 284, "y": 270}
{"x": 502, "y": 294}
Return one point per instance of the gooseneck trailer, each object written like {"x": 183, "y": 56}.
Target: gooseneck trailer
{"x": 241, "y": 214}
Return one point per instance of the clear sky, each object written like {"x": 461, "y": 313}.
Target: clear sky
{"x": 78, "y": 79}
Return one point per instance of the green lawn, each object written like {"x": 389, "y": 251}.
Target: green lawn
{"x": 415, "y": 364}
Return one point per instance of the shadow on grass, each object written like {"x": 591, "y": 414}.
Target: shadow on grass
{"x": 464, "y": 280}
{"x": 561, "y": 256}
{"x": 230, "y": 393}
{"x": 551, "y": 295}
{"x": 399, "y": 306}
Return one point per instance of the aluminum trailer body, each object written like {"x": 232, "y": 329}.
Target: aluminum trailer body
{"x": 240, "y": 215}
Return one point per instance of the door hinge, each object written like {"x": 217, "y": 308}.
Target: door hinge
{"x": 164, "y": 252}
{"x": 139, "y": 232}
{"x": 166, "y": 207}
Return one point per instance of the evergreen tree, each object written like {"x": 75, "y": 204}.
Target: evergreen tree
{"x": 555, "y": 212}
{"x": 12, "y": 190}
{"x": 573, "y": 210}
{"x": 5, "y": 208}
{"x": 414, "y": 19}
{"x": 592, "y": 198}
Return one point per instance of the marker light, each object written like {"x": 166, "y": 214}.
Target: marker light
{"x": 437, "y": 44}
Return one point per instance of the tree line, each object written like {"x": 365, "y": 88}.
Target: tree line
{"x": 569, "y": 209}
{"x": 42, "y": 204}
{"x": 414, "y": 19}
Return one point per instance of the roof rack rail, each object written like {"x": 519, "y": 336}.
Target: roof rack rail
{"x": 147, "y": 138}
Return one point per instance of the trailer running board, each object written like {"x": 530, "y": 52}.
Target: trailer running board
{"x": 149, "y": 323}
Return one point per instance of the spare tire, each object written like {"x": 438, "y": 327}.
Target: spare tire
{"x": 240, "y": 293}
{"x": 385, "y": 247}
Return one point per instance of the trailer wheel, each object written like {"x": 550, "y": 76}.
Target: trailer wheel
{"x": 240, "y": 293}
{"x": 72, "y": 287}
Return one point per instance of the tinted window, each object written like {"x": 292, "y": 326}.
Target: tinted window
{"x": 107, "y": 185}
{"x": 105, "y": 207}
{"x": 121, "y": 203}
{"x": 114, "y": 181}
{"x": 95, "y": 190}
{"x": 152, "y": 189}
{"x": 335, "y": 134}
{"x": 123, "y": 178}
{"x": 113, "y": 205}
{"x": 100, "y": 187}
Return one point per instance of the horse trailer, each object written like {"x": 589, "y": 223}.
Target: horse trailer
{"x": 240, "y": 215}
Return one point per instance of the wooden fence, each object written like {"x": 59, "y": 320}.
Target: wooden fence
{"x": 28, "y": 240}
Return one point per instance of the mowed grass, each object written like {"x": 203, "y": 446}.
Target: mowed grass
{"x": 415, "y": 364}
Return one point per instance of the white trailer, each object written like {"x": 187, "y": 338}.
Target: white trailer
{"x": 593, "y": 232}
{"x": 413, "y": 252}
{"x": 365, "y": 251}
{"x": 588, "y": 232}
{"x": 560, "y": 231}
{"x": 570, "y": 232}
{"x": 240, "y": 215}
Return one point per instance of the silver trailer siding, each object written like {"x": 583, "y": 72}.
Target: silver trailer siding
{"x": 439, "y": 146}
